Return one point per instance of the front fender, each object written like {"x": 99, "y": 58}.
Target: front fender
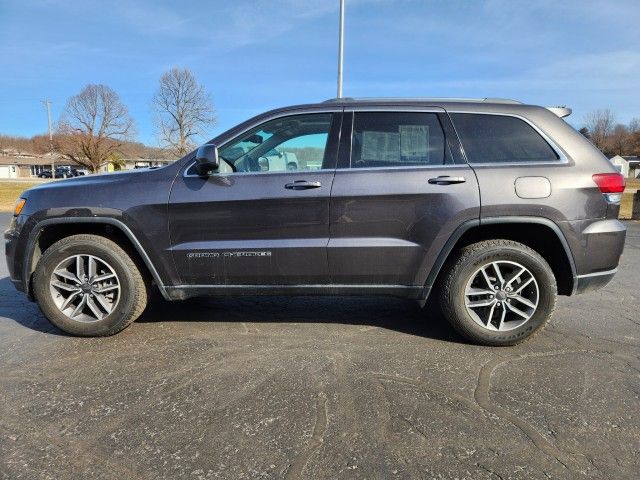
{"x": 28, "y": 255}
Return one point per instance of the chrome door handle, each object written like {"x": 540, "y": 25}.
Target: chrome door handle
{"x": 446, "y": 180}
{"x": 302, "y": 185}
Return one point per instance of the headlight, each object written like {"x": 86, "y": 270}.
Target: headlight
{"x": 19, "y": 206}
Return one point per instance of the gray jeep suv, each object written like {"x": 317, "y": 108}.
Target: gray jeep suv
{"x": 491, "y": 207}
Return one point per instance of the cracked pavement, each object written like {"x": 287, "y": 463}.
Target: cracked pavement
{"x": 267, "y": 387}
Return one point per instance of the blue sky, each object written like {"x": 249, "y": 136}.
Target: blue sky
{"x": 260, "y": 54}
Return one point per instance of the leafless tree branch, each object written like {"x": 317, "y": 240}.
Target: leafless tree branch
{"x": 183, "y": 110}
{"x": 600, "y": 124}
{"x": 94, "y": 126}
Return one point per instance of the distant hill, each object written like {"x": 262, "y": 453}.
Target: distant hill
{"x": 39, "y": 145}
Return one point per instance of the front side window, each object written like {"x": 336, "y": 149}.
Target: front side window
{"x": 501, "y": 139}
{"x": 297, "y": 142}
{"x": 397, "y": 139}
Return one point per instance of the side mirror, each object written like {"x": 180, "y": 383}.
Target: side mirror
{"x": 207, "y": 159}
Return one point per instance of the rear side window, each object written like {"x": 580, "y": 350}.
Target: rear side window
{"x": 397, "y": 139}
{"x": 501, "y": 139}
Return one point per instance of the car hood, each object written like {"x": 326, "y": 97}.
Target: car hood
{"x": 92, "y": 194}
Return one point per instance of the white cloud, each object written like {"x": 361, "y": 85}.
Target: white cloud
{"x": 154, "y": 19}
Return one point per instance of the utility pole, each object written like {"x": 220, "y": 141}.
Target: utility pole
{"x": 340, "y": 48}
{"x": 47, "y": 104}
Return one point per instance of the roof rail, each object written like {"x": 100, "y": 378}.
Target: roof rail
{"x": 422, "y": 99}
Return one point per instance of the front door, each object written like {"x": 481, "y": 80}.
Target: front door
{"x": 265, "y": 220}
{"x": 400, "y": 190}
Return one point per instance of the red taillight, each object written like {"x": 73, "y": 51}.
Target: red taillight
{"x": 609, "y": 182}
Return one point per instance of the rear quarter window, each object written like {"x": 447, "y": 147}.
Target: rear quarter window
{"x": 501, "y": 139}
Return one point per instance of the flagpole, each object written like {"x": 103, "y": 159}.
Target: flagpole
{"x": 340, "y": 48}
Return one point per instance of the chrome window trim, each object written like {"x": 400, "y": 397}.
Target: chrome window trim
{"x": 333, "y": 170}
{"x": 290, "y": 113}
{"x": 282, "y": 172}
{"x": 444, "y": 166}
{"x": 562, "y": 160}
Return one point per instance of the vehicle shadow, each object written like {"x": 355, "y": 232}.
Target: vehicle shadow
{"x": 391, "y": 313}
{"x": 16, "y": 306}
{"x": 396, "y": 314}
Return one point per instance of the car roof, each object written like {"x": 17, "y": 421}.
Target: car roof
{"x": 489, "y": 105}
{"x": 454, "y": 105}
{"x": 461, "y": 105}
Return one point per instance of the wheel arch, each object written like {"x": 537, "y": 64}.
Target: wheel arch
{"x": 540, "y": 234}
{"x": 49, "y": 231}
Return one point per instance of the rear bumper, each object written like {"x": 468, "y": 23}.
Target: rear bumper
{"x": 596, "y": 244}
{"x": 593, "y": 281}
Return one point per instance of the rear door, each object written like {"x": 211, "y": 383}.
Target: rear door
{"x": 400, "y": 191}
{"x": 267, "y": 221}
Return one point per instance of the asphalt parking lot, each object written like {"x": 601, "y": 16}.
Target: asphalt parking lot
{"x": 263, "y": 387}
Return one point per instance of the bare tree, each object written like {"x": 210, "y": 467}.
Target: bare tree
{"x": 93, "y": 126}
{"x": 183, "y": 110}
{"x": 634, "y": 133}
{"x": 600, "y": 124}
{"x": 619, "y": 141}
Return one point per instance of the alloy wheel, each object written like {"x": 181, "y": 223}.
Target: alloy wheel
{"x": 85, "y": 288}
{"x": 502, "y": 295}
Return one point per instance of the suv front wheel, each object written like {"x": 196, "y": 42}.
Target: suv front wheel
{"x": 498, "y": 292}
{"x": 88, "y": 285}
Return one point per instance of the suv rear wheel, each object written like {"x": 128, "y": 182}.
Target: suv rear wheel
{"x": 498, "y": 292}
{"x": 88, "y": 285}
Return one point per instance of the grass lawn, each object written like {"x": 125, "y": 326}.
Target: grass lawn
{"x": 10, "y": 191}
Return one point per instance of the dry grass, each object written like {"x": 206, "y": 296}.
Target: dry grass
{"x": 633, "y": 183}
{"x": 10, "y": 191}
{"x": 626, "y": 206}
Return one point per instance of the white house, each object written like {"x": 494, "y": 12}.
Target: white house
{"x": 25, "y": 166}
{"x": 627, "y": 166}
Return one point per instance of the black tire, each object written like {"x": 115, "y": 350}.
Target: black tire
{"x": 463, "y": 266}
{"x": 133, "y": 288}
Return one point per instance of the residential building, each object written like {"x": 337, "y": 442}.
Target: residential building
{"x": 628, "y": 166}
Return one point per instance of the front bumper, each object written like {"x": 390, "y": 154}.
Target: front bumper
{"x": 13, "y": 253}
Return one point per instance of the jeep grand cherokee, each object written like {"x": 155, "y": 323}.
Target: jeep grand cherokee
{"x": 490, "y": 206}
